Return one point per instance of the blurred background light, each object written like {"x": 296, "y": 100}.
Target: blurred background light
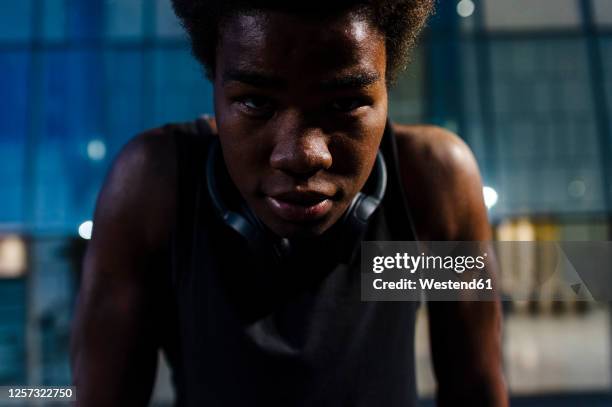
{"x": 85, "y": 229}
{"x": 465, "y": 8}
{"x": 490, "y": 196}
{"x": 96, "y": 150}
{"x": 12, "y": 257}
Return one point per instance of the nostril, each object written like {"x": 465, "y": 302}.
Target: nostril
{"x": 302, "y": 164}
{"x": 301, "y": 175}
{"x": 304, "y": 160}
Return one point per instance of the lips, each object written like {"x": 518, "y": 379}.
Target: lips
{"x": 300, "y": 206}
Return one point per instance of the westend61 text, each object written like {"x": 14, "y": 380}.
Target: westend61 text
{"x": 432, "y": 284}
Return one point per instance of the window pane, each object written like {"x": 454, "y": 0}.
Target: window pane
{"x": 51, "y": 294}
{"x": 67, "y": 180}
{"x": 124, "y": 19}
{"x": 603, "y": 12}
{"x": 545, "y": 127}
{"x": 124, "y": 96}
{"x": 531, "y": 15}
{"x": 85, "y": 19}
{"x": 167, "y": 24}
{"x": 472, "y": 106}
{"x": 606, "y": 50}
{"x": 15, "y": 20}
{"x": 181, "y": 89}
{"x": 54, "y": 19}
{"x": 14, "y": 67}
{"x": 12, "y": 332}
{"x": 406, "y": 97}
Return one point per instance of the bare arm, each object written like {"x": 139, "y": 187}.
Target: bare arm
{"x": 465, "y": 336}
{"x": 115, "y": 339}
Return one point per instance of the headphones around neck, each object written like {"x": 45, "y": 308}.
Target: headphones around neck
{"x": 261, "y": 241}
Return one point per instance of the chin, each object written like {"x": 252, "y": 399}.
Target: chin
{"x": 303, "y": 230}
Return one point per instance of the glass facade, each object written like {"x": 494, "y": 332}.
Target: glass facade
{"x": 527, "y": 85}
{"x": 77, "y": 72}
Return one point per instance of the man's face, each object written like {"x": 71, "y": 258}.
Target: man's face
{"x": 301, "y": 106}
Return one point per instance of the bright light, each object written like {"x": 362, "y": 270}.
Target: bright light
{"x": 465, "y": 8}
{"x": 85, "y": 229}
{"x": 490, "y": 196}
{"x": 12, "y": 257}
{"x": 96, "y": 150}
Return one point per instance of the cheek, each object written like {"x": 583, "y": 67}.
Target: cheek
{"x": 238, "y": 159}
{"x": 354, "y": 152}
{"x": 242, "y": 154}
{"x": 244, "y": 144}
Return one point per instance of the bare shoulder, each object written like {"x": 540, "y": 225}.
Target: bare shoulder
{"x": 138, "y": 196}
{"x": 442, "y": 146}
{"x": 442, "y": 183}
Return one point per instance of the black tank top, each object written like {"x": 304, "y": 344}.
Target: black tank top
{"x": 242, "y": 333}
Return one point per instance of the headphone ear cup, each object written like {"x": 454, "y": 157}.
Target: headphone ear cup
{"x": 236, "y": 221}
{"x": 244, "y": 222}
{"x": 360, "y": 211}
{"x": 240, "y": 225}
{"x": 363, "y": 206}
{"x": 352, "y": 220}
{"x": 363, "y": 212}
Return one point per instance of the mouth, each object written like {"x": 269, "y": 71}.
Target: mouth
{"x": 300, "y": 206}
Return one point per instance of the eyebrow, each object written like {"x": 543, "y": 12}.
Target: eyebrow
{"x": 253, "y": 78}
{"x": 262, "y": 80}
{"x": 351, "y": 81}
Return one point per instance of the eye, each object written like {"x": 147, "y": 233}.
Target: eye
{"x": 256, "y": 105}
{"x": 255, "y": 102}
{"x": 347, "y": 105}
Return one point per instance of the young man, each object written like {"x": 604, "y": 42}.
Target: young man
{"x": 230, "y": 243}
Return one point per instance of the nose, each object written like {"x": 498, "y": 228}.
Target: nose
{"x": 301, "y": 153}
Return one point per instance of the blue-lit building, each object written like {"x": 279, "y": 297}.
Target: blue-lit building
{"x": 527, "y": 84}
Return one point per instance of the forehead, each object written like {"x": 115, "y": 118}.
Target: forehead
{"x": 290, "y": 45}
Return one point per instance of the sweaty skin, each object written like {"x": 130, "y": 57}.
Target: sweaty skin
{"x": 300, "y": 114}
{"x": 301, "y": 107}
